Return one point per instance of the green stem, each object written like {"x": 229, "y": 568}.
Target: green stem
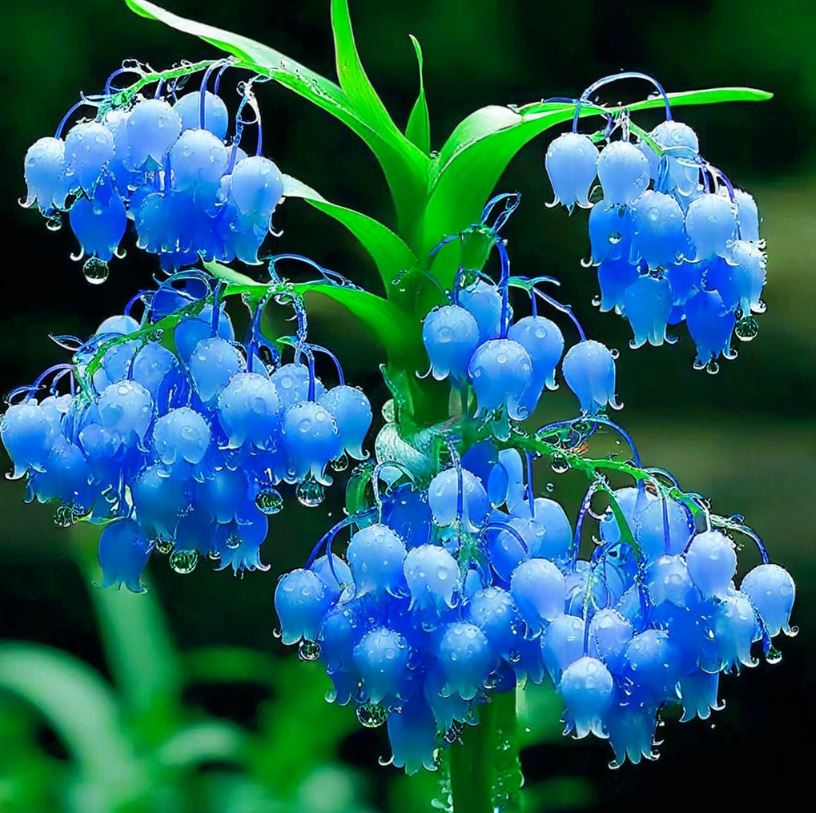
{"x": 484, "y": 767}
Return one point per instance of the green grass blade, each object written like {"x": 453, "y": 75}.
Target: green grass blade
{"x": 204, "y": 741}
{"x": 138, "y": 646}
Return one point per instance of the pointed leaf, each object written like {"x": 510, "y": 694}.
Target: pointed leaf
{"x": 392, "y": 328}
{"x": 418, "y": 129}
{"x": 388, "y": 251}
{"x": 75, "y": 701}
{"x": 352, "y": 75}
{"x": 478, "y": 151}
{"x": 707, "y": 96}
{"x": 204, "y": 741}
{"x": 404, "y": 166}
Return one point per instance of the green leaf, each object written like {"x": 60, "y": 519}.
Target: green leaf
{"x": 418, "y": 129}
{"x": 404, "y": 165}
{"x": 138, "y": 647}
{"x": 352, "y": 75}
{"x": 205, "y": 741}
{"x": 708, "y": 96}
{"x": 75, "y": 701}
{"x": 478, "y": 151}
{"x": 228, "y": 664}
{"x": 297, "y": 733}
{"x": 392, "y": 328}
{"x": 388, "y": 251}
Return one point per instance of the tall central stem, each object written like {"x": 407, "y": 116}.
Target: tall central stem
{"x": 484, "y": 767}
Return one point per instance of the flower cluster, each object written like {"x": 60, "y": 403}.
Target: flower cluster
{"x": 457, "y": 581}
{"x": 673, "y": 240}
{"x": 175, "y": 436}
{"x": 448, "y": 595}
{"x": 461, "y": 584}
{"x": 170, "y": 162}
{"x": 474, "y": 342}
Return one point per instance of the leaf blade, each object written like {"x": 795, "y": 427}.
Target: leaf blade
{"x": 74, "y": 700}
{"x": 418, "y": 129}
{"x": 137, "y": 642}
{"x": 387, "y": 250}
{"x": 351, "y": 74}
{"x": 388, "y": 323}
{"x": 204, "y": 741}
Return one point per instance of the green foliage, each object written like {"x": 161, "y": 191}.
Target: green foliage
{"x": 404, "y": 166}
{"x": 137, "y": 746}
{"x": 434, "y": 196}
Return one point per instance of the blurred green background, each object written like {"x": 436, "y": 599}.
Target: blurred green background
{"x": 182, "y": 700}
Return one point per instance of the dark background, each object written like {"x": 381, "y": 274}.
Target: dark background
{"x": 745, "y": 437}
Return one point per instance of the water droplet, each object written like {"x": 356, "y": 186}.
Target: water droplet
{"x": 773, "y": 655}
{"x": 163, "y": 545}
{"x": 615, "y": 353}
{"x": 549, "y": 488}
{"x": 183, "y": 561}
{"x": 233, "y": 541}
{"x": 309, "y": 650}
{"x": 269, "y": 501}
{"x": 389, "y": 411}
{"x": 559, "y": 463}
{"x": 370, "y": 715}
{"x": 340, "y": 463}
{"x": 747, "y": 329}
{"x": 310, "y": 493}
{"x": 712, "y": 368}
{"x": 65, "y": 515}
{"x": 95, "y": 270}
{"x": 54, "y": 222}
{"x": 615, "y": 238}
